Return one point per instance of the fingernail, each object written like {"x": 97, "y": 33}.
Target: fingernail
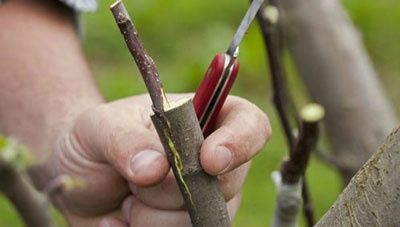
{"x": 141, "y": 161}
{"x": 223, "y": 158}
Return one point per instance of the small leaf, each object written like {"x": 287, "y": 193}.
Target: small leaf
{"x": 3, "y": 142}
{"x": 15, "y": 153}
{"x": 70, "y": 183}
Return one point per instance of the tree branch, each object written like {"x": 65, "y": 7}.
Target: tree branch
{"x": 329, "y": 159}
{"x": 294, "y": 168}
{"x": 31, "y": 205}
{"x": 372, "y": 198}
{"x": 272, "y": 42}
{"x": 144, "y": 62}
{"x": 182, "y": 141}
{"x": 289, "y": 180}
{"x": 344, "y": 82}
{"x": 180, "y": 134}
{"x": 268, "y": 18}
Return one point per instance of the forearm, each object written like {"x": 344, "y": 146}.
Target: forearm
{"x": 44, "y": 79}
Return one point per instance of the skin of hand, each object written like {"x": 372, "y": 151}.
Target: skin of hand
{"x": 114, "y": 148}
{"x": 50, "y": 103}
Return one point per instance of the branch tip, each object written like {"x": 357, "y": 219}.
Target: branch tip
{"x": 271, "y": 13}
{"x": 115, "y": 4}
{"x": 312, "y": 113}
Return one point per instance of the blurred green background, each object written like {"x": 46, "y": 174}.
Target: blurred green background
{"x": 183, "y": 36}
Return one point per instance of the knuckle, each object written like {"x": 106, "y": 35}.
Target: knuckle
{"x": 261, "y": 127}
{"x": 90, "y": 118}
{"x": 255, "y": 132}
{"x": 266, "y": 129}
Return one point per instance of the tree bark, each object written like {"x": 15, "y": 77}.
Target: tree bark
{"x": 372, "y": 197}
{"x": 182, "y": 140}
{"x": 331, "y": 58}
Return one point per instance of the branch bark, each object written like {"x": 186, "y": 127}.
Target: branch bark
{"x": 372, "y": 197}
{"x": 182, "y": 142}
{"x": 289, "y": 180}
{"x": 144, "y": 62}
{"x": 30, "y": 204}
{"x": 281, "y": 97}
{"x": 272, "y": 41}
{"x": 180, "y": 134}
{"x": 294, "y": 168}
{"x": 331, "y": 58}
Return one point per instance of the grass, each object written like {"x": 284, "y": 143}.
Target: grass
{"x": 183, "y": 37}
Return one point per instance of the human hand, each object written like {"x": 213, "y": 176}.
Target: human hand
{"x": 114, "y": 148}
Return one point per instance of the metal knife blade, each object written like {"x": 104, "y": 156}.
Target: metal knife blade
{"x": 244, "y": 25}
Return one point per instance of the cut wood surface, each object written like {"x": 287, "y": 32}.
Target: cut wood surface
{"x": 180, "y": 134}
{"x": 182, "y": 139}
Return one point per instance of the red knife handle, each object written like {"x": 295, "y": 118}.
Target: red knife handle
{"x": 213, "y": 90}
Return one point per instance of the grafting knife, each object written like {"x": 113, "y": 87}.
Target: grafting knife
{"x": 221, "y": 73}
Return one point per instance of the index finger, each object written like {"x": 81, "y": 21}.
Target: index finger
{"x": 242, "y": 130}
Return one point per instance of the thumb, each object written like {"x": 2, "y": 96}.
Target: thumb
{"x": 121, "y": 136}
{"x": 148, "y": 167}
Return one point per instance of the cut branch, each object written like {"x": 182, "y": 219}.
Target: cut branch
{"x": 289, "y": 180}
{"x": 268, "y": 17}
{"x": 182, "y": 141}
{"x": 294, "y": 168}
{"x": 180, "y": 134}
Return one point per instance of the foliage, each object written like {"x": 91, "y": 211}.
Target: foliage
{"x": 15, "y": 154}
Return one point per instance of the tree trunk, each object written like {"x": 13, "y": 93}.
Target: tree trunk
{"x": 372, "y": 197}
{"x": 331, "y": 58}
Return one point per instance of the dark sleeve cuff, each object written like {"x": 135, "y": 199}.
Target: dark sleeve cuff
{"x": 81, "y": 5}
